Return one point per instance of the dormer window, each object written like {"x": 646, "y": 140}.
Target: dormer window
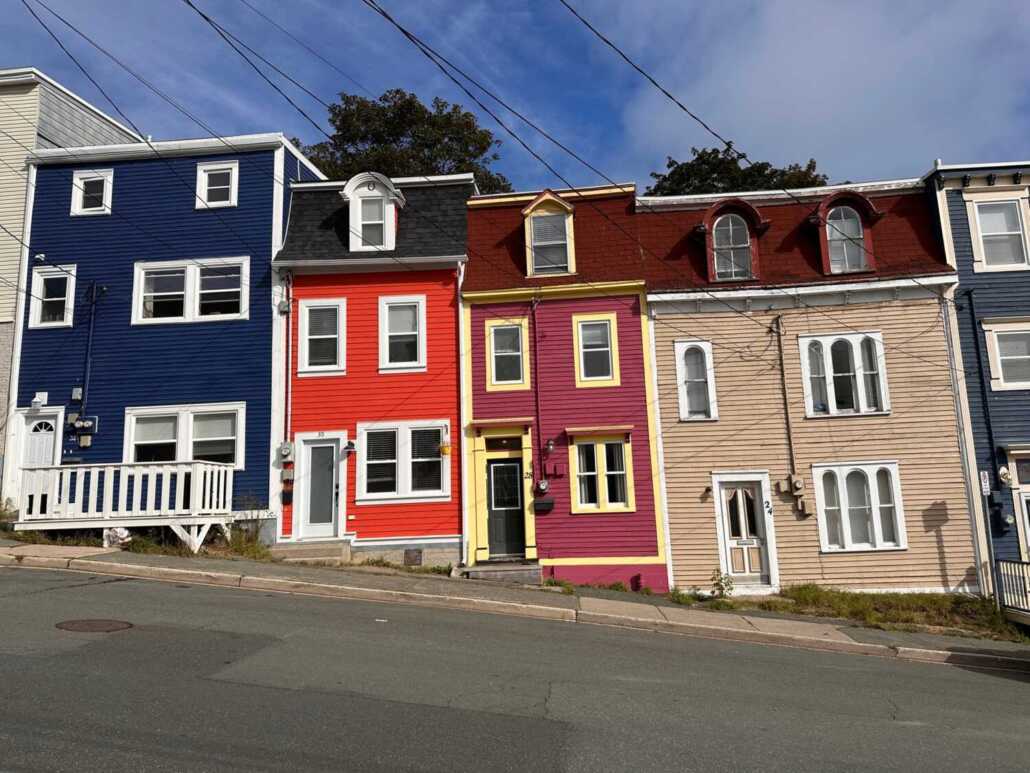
{"x": 732, "y": 248}
{"x": 372, "y": 202}
{"x": 550, "y": 245}
{"x": 845, "y": 238}
{"x": 731, "y": 229}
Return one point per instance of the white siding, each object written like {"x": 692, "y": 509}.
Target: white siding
{"x": 19, "y": 112}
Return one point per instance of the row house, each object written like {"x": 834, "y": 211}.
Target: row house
{"x": 143, "y": 372}
{"x": 371, "y": 463}
{"x": 561, "y": 463}
{"x": 807, "y": 390}
{"x": 35, "y": 112}
{"x": 984, "y": 211}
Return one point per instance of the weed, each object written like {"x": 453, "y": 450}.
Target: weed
{"x": 619, "y": 587}
{"x": 157, "y": 540}
{"x": 566, "y": 587}
{"x": 645, "y": 591}
{"x": 721, "y": 604}
{"x": 379, "y": 561}
{"x": 244, "y": 540}
{"x": 83, "y": 537}
{"x": 722, "y": 584}
{"x": 676, "y": 596}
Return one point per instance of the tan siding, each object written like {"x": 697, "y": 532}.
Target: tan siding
{"x": 921, "y": 434}
{"x": 19, "y": 106}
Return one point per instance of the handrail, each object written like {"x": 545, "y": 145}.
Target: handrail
{"x": 121, "y": 464}
{"x": 1014, "y": 584}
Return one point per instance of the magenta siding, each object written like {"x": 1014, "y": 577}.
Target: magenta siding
{"x": 561, "y": 534}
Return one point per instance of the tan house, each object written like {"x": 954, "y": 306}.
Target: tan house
{"x": 809, "y": 425}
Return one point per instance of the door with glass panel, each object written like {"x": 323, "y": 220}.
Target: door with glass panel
{"x": 505, "y": 519}
{"x": 747, "y": 559}
{"x": 320, "y": 484}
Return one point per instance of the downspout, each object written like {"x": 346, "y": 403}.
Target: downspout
{"x": 536, "y": 385}
{"x": 287, "y": 279}
{"x": 786, "y": 402}
{"x": 88, "y": 366}
{"x": 463, "y": 417}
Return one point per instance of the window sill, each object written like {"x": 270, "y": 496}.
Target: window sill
{"x": 90, "y": 212}
{"x": 49, "y": 326}
{"x": 980, "y": 267}
{"x": 387, "y": 369}
{"x": 998, "y": 385}
{"x": 490, "y": 387}
{"x": 605, "y": 511}
{"x": 856, "y": 272}
{"x": 549, "y": 276}
{"x": 373, "y": 248}
{"x": 706, "y": 420}
{"x": 185, "y": 321}
{"x": 327, "y": 372}
{"x": 214, "y": 204}
{"x": 867, "y": 414}
{"x": 402, "y": 499}
{"x": 583, "y": 384}
{"x": 852, "y": 551}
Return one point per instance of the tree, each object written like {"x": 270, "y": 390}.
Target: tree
{"x": 399, "y": 136}
{"x": 715, "y": 170}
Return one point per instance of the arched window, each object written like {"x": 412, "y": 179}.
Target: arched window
{"x": 871, "y": 375}
{"x": 860, "y": 510}
{"x": 817, "y": 378}
{"x": 732, "y": 244}
{"x": 699, "y": 405}
{"x": 831, "y": 510}
{"x": 42, "y": 426}
{"x": 860, "y": 506}
{"x": 885, "y": 491}
{"x": 844, "y": 236}
{"x": 845, "y": 391}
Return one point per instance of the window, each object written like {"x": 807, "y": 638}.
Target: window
{"x": 550, "y": 242}
{"x": 217, "y": 184}
{"x": 998, "y": 218}
{"x": 859, "y": 506}
{"x": 91, "y": 191}
{"x": 372, "y": 202}
{"x": 323, "y": 337}
{"x": 403, "y": 461}
{"x": 596, "y": 350}
{"x": 695, "y": 376}
{"x": 1008, "y": 352}
{"x": 373, "y": 221}
{"x": 402, "y": 333}
{"x": 602, "y": 475}
{"x": 205, "y": 290}
{"x": 732, "y": 244}
{"x": 844, "y": 374}
{"x": 211, "y": 432}
{"x": 52, "y": 303}
{"x": 845, "y": 238}
{"x": 507, "y": 352}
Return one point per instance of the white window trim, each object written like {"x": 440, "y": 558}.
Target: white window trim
{"x": 81, "y": 176}
{"x": 869, "y": 468}
{"x": 835, "y": 233}
{"x": 761, "y": 478}
{"x": 184, "y": 427}
{"x": 997, "y": 194}
{"x": 855, "y": 339}
{"x": 233, "y": 167}
{"x": 747, "y": 244}
{"x": 404, "y": 492}
{"x": 367, "y": 186}
{"x": 340, "y": 369}
{"x": 385, "y": 366}
{"x": 39, "y": 273}
{"x": 992, "y": 327}
{"x": 191, "y": 302}
{"x": 680, "y": 348}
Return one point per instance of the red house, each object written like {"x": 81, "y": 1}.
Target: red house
{"x": 371, "y": 271}
{"x": 561, "y": 459}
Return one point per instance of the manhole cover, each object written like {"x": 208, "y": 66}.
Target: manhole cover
{"x": 93, "y": 626}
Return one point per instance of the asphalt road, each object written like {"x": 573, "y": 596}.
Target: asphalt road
{"x": 215, "y": 679}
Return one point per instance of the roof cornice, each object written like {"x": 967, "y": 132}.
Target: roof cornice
{"x": 166, "y": 148}
{"x": 703, "y": 200}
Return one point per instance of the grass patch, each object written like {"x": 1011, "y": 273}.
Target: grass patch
{"x": 677, "y": 596}
{"x": 81, "y": 537}
{"x": 244, "y": 542}
{"x": 566, "y": 587}
{"x": 156, "y": 541}
{"x": 443, "y": 570}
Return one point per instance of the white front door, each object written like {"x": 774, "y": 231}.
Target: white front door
{"x": 40, "y": 442}
{"x": 319, "y": 484}
{"x": 747, "y": 556}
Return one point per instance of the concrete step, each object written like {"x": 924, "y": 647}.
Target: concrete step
{"x": 520, "y": 572}
{"x": 304, "y": 551}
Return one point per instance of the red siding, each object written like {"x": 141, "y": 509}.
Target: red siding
{"x": 365, "y": 395}
{"x": 561, "y": 534}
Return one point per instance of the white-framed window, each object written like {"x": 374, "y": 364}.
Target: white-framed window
{"x": 91, "y": 191}
{"x": 372, "y": 202}
{"x": 846, "y": 241}
{"x": 549, "y": 247}
{"x": 695, "y": 379}
{"x": 602, "y": 474}
{"x": 596, "y": 342}
{"x": 999, "y": 227}
{"x": 731, "y": 243}
{"x": 323, "y": 337}
{"x": 844, "y": 374}
{"x": 1008, "y": 352}
{"x": 402, "y": 333}
{"x": 403, "y": 461}
{"x": 53, "y": 296}
{"x": 507, "y": 341}
{"x": 859, "y": 506}
{"x": 217, "y": 184}
{"x": 212, "y": 432}
{"x": 204, "y": 290}
{"x": 373, "y": 221}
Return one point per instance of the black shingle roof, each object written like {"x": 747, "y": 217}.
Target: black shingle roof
{"x": 432, "y": 223}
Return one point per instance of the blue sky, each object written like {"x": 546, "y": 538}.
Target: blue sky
{"x": 872, "y": 90}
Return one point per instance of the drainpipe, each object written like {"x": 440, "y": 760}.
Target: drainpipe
{"x": 88, "y": 366}
{"x": 536, "y": 385}
{"x": 786, "y": 402}
{"x": 287, "y": 279}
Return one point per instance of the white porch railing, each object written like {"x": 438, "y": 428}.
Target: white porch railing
{"x": 117, "y": 491}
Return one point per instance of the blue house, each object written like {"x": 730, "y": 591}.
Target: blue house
{"x": 147, "y": 362}
{"x": 985, "y": 217}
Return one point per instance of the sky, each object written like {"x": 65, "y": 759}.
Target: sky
{"x": 871, "y": 90}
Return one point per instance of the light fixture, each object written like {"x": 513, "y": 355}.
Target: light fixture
{"x": 349, "y": 448}
{"x": 550, "y": 445}
{"x": 543, "y": 485}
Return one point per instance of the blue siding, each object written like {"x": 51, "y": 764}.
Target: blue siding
{"x": 165, "y": 364}
{"x": 1001, "y": 294}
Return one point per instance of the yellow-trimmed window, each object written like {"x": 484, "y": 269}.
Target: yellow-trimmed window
{"x": 596, "y": 343}
{"x": 602, "y": 475}
{"x": 507, "y": 354}
{"x": 550, "y": 240}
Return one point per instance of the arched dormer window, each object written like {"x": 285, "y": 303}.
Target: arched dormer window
{"x": 845, "y": 220}
{"x": 372, "y": 201}
{"x": 731, "y": 229}
{"x": 550, "y": 239}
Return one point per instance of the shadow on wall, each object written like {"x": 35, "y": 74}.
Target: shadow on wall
{"x": 935, "y": 518}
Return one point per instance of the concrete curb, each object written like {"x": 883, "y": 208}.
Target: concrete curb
{"x": 563, "y": 614}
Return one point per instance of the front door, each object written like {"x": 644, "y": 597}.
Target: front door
{"x": 320, "y": 482}
{"x": 40, "y": 445}
{"x": 747, "y": 558}
{"x": 505, "y": 517}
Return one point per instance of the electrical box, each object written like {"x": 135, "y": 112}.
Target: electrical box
{"x": 286, "y": 451}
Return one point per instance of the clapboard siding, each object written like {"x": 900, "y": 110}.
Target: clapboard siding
{"x": 920, "y": 434}
{"x": 65, "y": 123}
{"x": 163, "y": 364}
{"x": 19, "y": 106}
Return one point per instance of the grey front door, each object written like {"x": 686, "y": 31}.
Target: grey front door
{"x": 320, "y": 479}
{"x": 505, "y": 517}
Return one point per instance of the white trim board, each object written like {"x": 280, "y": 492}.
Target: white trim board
{"x": 300, "y": 491}
{"x": 748, "y": 476}
{"x": 812, "y": 289}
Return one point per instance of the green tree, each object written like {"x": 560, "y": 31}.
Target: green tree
{"x": 399, "y": 136}
{"x": 720, "y": 170}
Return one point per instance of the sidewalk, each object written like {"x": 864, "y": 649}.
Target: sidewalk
{"x": 385, "y": 585}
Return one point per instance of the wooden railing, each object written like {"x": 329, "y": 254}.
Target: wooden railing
{"x": 1014, "y": 585}
{"x": 106, "y": 491}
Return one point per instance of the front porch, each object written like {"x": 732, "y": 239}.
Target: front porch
{"x": 187, "y": 497}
